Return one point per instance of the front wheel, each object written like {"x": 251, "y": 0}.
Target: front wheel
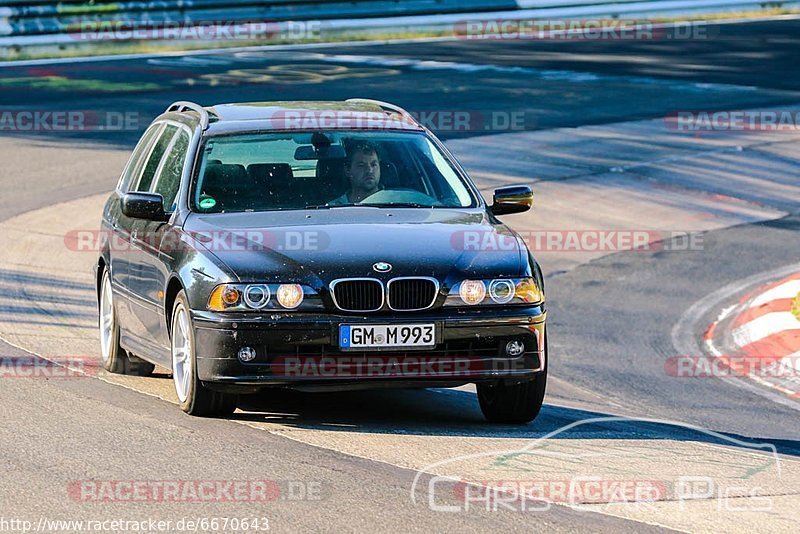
{"x": 515, "y": 403}
{"x": 193, "y": 397}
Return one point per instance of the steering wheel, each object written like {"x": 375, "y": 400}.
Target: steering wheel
{"x": 401, "y": 195}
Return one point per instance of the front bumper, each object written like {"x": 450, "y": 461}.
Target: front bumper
{"x": 301, "y": 350}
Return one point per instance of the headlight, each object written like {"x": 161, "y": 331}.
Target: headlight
{"x": 501, "y": 291}
{"x": 258, "y": 297}
{"x": 472, "y": 292}
{"x": 290, "y": 295}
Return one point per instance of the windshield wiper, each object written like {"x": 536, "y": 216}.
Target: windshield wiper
{"x": 326, "y": 206}
{"x": 370, "y": 205}
{"x": 398, "y": 205}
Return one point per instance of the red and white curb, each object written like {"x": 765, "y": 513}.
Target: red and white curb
{"x": 759, "y": 338}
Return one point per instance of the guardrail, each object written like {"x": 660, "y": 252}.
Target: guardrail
{"x": 43, "y": 22}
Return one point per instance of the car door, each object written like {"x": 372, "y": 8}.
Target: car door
{"x": 156, "y": 259}
{"x": 144, "y": 307}
{"x": 117, "y": 226}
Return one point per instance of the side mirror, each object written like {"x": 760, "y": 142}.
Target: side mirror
{"x": 512, "y": 199}
{"x": 148, "y": 206}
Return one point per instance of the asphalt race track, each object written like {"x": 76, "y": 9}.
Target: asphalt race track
{"x": 585, "y": 123}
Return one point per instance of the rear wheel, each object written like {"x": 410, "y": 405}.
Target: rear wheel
{"x": 193, "y": 396}
{"x": 514, "y": 403}
{"x": 115, "y": 358}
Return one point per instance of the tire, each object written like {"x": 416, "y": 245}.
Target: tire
{"x": 515, "y": 403}
{"x": 194, "y": 398}
{"x": 115, "y": 359}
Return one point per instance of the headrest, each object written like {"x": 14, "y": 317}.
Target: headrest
{"x": 270, "y": 172}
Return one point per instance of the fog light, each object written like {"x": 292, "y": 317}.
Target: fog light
{"x": 247, "y": 354}
{"x": 515, "y": 348}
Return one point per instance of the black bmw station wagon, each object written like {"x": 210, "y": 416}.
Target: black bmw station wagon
{"x": 316, "y": 246}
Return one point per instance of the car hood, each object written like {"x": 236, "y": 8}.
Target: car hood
{"x": 315, "y": 247}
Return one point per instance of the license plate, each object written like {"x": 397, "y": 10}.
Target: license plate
{"x": 353, "y": 336}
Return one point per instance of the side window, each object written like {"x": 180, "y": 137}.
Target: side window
{"x": 169, "y": 179}
{"x": 135, "y": 161}
{"x": 155, "y": 158}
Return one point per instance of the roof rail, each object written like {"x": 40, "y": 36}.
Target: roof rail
{"x": 384, "y": 106}
{"x": 183, "y": 105}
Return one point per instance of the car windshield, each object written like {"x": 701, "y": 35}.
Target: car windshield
{"x": 324, "y": 170}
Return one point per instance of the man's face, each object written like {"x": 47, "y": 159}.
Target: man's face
{"x": 365, "y": 172}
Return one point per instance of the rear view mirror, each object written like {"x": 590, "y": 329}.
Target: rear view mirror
{"x": 310, "y": 152}
{"x": 147, "y": 206}
{"x": 513, "y": 199}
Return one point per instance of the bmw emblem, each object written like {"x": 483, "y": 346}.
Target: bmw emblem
{"x": 382, "y": 267}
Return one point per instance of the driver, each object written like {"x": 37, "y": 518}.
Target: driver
{"x": 363, "y": 169}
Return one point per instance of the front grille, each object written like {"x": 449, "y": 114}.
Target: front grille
{"x": 409, "y": 294}
{"x": 358, "y": 295}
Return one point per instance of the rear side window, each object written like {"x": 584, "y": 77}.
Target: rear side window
{"x": 135, "y": 161}
{"x": 169, "y": 179}
{"x": 155, "y": 158}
